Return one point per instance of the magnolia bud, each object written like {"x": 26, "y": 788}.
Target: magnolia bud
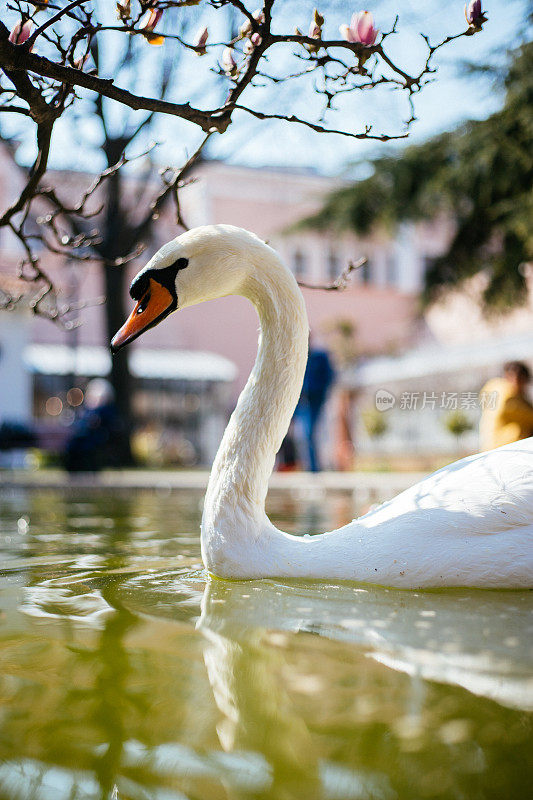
{"x": 229, "y": 65}
{"x": 200, "y": 41}
{"x": 148, "y": 23}
{"x": 124, "y": 10}
{"x": 315, "y": 31}
{"x": 345, "y": 32}
{"x": 21, "y": 32}
{"x": 318, "y": 18}
{"x": 246, "y": 27}
{"x": 151, "y": 19}
{"x": 474, "y": 15}
{"x": 251, "y": 43}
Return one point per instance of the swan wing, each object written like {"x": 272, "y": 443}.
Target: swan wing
{"x": 486, "y": 493}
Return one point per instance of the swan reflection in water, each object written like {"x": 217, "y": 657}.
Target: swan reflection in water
{"x": 258, "y": 716}
{"x": 347, "y": 727}
{"x": 309, "y": 691}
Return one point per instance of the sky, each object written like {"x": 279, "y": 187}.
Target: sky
{"x": 450, "y": 99}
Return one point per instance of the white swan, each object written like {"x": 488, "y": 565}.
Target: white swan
{"x": 469, "y": 524}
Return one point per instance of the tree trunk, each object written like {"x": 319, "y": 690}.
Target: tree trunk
{"x": 114, "y": 245}
{"x": 120, "y": 375}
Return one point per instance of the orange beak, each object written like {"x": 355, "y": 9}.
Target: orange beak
{"x": 151, "y": 309}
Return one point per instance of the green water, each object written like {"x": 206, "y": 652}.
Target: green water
{"x": 125, "y": 674}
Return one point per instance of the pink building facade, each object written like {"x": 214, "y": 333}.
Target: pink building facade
{"x": 381, "y": 304}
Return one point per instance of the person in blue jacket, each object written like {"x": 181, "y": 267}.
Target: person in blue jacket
{"x": 93, "y": 441}
{"x": 318, "y": 379}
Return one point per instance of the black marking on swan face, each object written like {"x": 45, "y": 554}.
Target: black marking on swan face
{"x": 166, "y": 277}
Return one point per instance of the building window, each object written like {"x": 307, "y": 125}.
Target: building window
{"x": 334, "y": 265}
{"x": 366, "y": 272}
{"x": 299, "y": 264}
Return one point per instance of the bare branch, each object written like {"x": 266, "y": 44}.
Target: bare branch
{"x": 48, "y": 84}
{"x": 44, "y": 133}
{"x": 16, "y": 61}
{"x": 341, "y": 282}
{"x": 366, "y": 134}
{"x": 28, "y": 44}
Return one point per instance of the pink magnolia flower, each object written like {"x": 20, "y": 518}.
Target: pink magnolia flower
{"x": 200, "y": 41}
{"x": 21, "y": 32}
{"x": 150, "y": 19}
{"x": 361, "y": 29}
{"x": 474, "y": 15}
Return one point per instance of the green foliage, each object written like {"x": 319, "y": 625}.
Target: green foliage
{"x": 375, "y": 423}
{"x": 481, "y": 173}
{"x": 457, "y": 423}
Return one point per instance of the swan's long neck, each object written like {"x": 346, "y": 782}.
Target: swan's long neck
{"x": 245, "y": 459}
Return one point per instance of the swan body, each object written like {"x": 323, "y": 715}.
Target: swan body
{"x": 469, "y": 524}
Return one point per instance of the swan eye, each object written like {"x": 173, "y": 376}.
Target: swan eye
{"x": 143, "y": 303}
{"x": 166, "y": 276}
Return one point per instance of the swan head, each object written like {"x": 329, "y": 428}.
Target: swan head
{"x": 202, "y": 264}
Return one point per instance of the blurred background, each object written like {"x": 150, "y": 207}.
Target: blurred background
{"x": 442, "y": 302}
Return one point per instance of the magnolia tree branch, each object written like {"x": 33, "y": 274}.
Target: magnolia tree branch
{"x": 341, "y": 282}
{"x": 44, "y": 133}
{"x": 17, "y": 57}
{"x": 48, "y": 59}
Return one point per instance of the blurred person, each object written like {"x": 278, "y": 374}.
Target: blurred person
{"x": 318, "y": 379}
{"x": 507, "y": 414}
{"x": 95, "y": 433}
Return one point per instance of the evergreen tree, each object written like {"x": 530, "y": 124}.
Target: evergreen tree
{"x": 481, "y": 174}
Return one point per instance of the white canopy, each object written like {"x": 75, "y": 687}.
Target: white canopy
{"x": 184, "y": 365}
{"x": 426, "y": 361}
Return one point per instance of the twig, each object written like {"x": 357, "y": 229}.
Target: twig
{"x": 28, "y": 44}
{"x": 341, "y": 281}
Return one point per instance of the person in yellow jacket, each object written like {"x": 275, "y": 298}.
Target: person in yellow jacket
{"x": 508, "y": 417}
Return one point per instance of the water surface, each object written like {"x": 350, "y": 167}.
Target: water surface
{"x": 124, "y": 673}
